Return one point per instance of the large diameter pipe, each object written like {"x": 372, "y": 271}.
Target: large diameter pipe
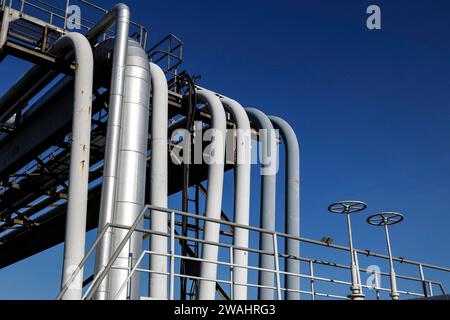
{"x": 121, "y": 14}
{"x": 79, "y": 160}
{"x": 158, "y": 181}
{"x": 207, "y": 288}
{"x": 292, "y": 206}
{"x": 268, "y": 197}
{"x": 241, "y": 194}
{"x": 130, "y": 193}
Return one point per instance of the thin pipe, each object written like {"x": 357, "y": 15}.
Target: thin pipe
{"x": 207, "y": 288}
{"x": 292, "y": 207}
{"x": 268, "y": 196}
{"x": 132, "y": 164}
{"x": 79, "y": 160}
{"x": 121, "y": 14}
{"x": 158, "y": 179}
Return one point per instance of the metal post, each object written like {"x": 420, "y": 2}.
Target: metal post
{"x": 311, "y": 273}
{"x": 4, "y": 28}
{"x": 231, "y": 274}
{"x": 377, "y": 284}
{"x": 347, "y": 208}
{"x": 385, "y": 219}
{"x": 394, "y": 292}
{"x": 356, "y": 288}
{"x": 424, "y": 283}
{"x": 172, "y": 255}
{"x": 66, "y": 14}
{"x": 130, "y": 267}
{"x": 277, "y": 266}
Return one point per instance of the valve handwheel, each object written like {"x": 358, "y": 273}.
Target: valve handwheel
{"x": 385, "y": 218}
{"x": 347, "y": 207}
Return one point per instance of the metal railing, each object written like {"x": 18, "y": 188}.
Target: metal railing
{"x": 313, "y": 278}
{"x": 59, "y": 16}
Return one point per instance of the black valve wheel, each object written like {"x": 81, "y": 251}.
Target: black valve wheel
{"x": 347, "y": 207}
{"x": 385, "y": 219}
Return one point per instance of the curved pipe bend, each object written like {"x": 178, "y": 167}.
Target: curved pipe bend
{"x": 207, "y": 288}
{"x": 241, "y": 192}
{"x": 268, "y": 197}
{"x": 79, "y": 160}
{"x": 158, "y": 180}
{"x": 292, "y": 207}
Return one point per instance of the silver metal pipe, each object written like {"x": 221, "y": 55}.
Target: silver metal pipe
{"x": 268, "y": 196}
{"x": 207, "y": 288}
{"x": 130, "y": 193}
{"x": 121, "y": 14}
{"x": 158, "y": 180}
{"x": 79, "y": 160}
{"x": 292, "y": 207}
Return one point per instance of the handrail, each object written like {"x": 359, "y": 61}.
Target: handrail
{"x": 172, "y": 236}
{"x": 56, "y": 12}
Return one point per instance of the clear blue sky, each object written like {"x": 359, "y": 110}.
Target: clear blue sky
{"x": 371, "y": 110}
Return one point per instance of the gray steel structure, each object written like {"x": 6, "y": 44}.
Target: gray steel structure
{"x": 127, "y": 176}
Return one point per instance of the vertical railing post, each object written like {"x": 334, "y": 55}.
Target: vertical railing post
{"x": 130, "y": 266}
{"x": 424, "y": 283}
{"x": 172, "y": 255}
{"x": 377, "y": 283}
{"x": 311, "y": 279}
{"x": 277, "y": 266}
{"x": 358, "y": 270}
{"x": 66, "y": 13}
{"x": 22, "y": 6}
{"x": 231, "y": 274}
